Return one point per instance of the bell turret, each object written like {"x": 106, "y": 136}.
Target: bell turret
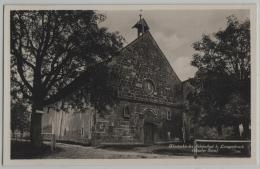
{"x": 141, "y": 26}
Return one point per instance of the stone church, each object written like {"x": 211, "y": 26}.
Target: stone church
{"x": 149, "y": 109}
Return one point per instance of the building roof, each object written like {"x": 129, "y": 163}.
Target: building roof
{"x": 141, "y": 24}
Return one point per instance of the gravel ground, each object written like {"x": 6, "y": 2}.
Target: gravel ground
{"x": 68, "y": 151}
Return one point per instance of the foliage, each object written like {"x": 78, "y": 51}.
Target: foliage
{"x": 20, "y": 117}
{"x": 222, "y": 81}
{"x": 56, "y": 52}
{"x": 99, "y": 91}
{"x": 206, "y": 132}
{"x": 228, "y": 54}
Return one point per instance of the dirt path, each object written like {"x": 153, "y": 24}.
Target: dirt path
{"x": 83, "y": 152}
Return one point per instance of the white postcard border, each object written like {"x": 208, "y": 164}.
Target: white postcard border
{"x": 139, "y": 162}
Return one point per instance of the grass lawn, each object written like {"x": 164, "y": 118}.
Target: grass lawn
{"x": 24, "y": 150}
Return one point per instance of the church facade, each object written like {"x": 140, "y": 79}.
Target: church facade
{"x": 149, "y": 108}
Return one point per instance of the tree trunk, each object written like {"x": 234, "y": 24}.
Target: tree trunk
{"x": 36, "y": 129}
{"x": 246, "y": 134}
{"x": 196, "y": 131}
{"x": 219, "y": 128}
{"x": 21, "y": 136}
{"x": 236, "y": 132}
{"x": 36, "y": 117}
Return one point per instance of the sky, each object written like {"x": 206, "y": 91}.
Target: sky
{"x": 174, "y": 30}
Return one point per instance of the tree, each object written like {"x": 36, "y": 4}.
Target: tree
{"x": 55, "y": 53}
{"x": 228, "y": 53}
{"x": 238, "y": 109}
{"x": 223, "y": 63}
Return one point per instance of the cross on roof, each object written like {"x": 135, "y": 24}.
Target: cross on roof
{"x": 141, "y": 25}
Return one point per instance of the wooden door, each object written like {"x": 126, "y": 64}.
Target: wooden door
{"x": 148, "y": 133}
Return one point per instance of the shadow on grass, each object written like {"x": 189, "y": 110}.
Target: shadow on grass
{"x": 176, "y": 152}
{"x": 24, "y": 150}
{"x": 165, "y": 150}
{"x": 121, "y": 147}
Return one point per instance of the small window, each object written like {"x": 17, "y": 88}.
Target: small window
{"x": 126, "y": 112}
{"x": 169, "y": 115}
{"x": 82, "y": 131}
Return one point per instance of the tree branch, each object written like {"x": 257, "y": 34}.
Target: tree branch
{"x": 25, "y": 94}
{"x": 56, "y": 70}
{"x": 75, "y": 84}
{"x": 19, "y": 58}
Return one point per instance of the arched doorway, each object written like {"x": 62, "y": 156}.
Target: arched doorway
{"x": 149, "y": 131}
{"x": 149, "y": 126}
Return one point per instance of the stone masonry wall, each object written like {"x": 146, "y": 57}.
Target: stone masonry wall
{"x": 143, "y": 60}
{"x": 117, "y": 127}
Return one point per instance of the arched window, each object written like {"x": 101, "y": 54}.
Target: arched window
{"x": 82, "y": 131}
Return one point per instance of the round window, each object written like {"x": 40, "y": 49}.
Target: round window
{"x": 148, "y": 87}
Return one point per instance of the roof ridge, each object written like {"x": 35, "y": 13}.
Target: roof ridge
{"x": 131, "y": 43}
